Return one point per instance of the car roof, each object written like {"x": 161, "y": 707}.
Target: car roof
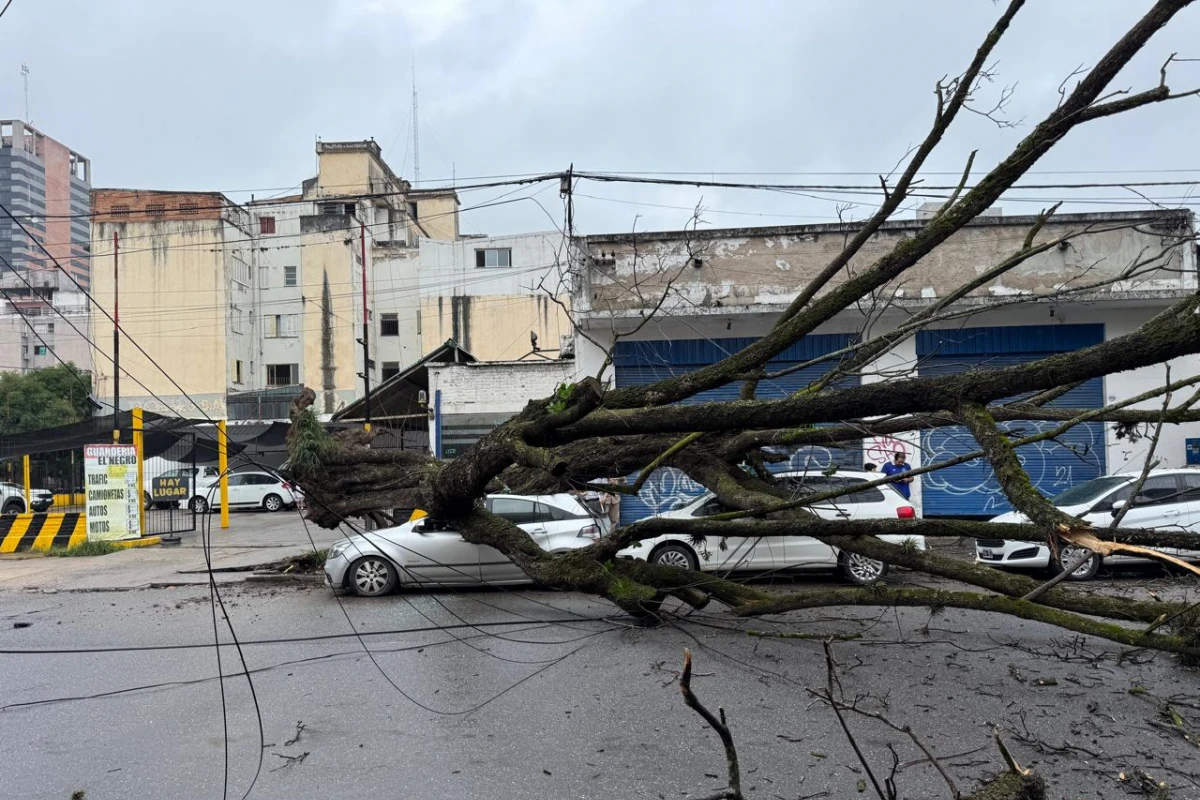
{"x": 1163, "y": 471}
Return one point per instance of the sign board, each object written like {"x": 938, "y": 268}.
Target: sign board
{"x": 171, "y": 488}
{"x": 113, "y": 495}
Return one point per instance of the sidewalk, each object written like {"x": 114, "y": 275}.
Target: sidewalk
{"x": 253, "y": 538}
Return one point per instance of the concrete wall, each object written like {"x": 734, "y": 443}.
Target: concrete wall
{"x": 395, "y": 283}
{"x": 437, "y": 217}
{"x": 331, "y": 290}
{"x": 723, "y": 271}
{"x": 174, "y": 299}
{"x": 478, "y": 396}
{"x": 490, "y": 311}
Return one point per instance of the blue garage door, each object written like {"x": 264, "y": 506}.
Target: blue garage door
{"x": 1054, "y": 465}
{"x": 641, "y": 363}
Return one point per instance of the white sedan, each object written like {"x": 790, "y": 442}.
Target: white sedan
{"x": 246, "y": 490}
{"x": 1169, "y": 501}
{"x": 770, "y": 553}
{"x": 423, "y": 552}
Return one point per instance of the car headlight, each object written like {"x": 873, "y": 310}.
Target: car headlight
{"x": 338, "y": 547}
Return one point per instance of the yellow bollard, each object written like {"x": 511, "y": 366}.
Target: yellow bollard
{"x": 139, "y": 444}
{"x": 25, "y": 464}
{"x": 222, "y": 467}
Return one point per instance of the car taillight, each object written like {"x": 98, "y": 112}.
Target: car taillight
{"x": 590, "y": 532}
{"x": 906, "y": 512}
{"x": 287, "y": 486}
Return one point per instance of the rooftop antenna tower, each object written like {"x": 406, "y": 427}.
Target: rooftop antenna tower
{"x": 25, "y": 77}
{"x": 416, "y": 127}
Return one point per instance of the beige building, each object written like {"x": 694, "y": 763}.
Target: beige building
{"x": 176, "y": 269}
{"x": 242, "y": 304}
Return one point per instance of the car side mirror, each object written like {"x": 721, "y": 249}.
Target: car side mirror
{"x": 1117, "y": 505}
{"x": 419, "y": 528}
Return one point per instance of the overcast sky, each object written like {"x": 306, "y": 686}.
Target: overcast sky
{"x": 224, "y": 95}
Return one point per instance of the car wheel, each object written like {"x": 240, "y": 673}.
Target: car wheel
{"x": 14, "y": 507}
{"x": 860, "y": 570}
{"x": 198, "y": 505}
{"x": 147, "y": 502}
{"x": 373, "y": 576}
{"x": 273, "y": 502}
{"x": 1085, "y": 572}
{"x": 674, "y": 554}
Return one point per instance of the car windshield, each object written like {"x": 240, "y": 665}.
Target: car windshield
{"x": 1088, "y": 491}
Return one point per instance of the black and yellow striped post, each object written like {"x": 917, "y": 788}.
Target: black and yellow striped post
{"x": 24, "y": 532}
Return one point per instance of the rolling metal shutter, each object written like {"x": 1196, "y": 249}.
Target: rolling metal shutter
{"x": 641, "y": 363}
{"x": 1054, "y": 465}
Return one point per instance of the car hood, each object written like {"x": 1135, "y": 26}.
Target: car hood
{"x": 1019, "y": 517}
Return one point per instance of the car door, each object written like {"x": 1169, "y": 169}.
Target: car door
{"x": 1190, "y": 518}
{"x": 1160, "y": 505}
{"x": 434, "y": 555}
{"x": 237, "y": 486}
{"x": 801, "y": 551}
{"x": 258, "y": 486}
{"x": 740, "y": 552}
{"x": 494, "y": 566}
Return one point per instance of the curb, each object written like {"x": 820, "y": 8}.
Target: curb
{"x": 145, "y": 541}
{"x": 283, "y": 577}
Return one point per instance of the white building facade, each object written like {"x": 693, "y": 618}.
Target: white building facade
{"x": 728, "y": 287}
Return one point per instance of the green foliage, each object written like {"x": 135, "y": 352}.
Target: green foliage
{"x": 310, "y": 443}
{"x": 562, "y": 397}
{"x": 84, "y": 549}
{"x": 44, "y": 398}
{"x": 624, "y": 590}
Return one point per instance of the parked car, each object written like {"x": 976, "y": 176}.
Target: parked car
{"x": 786, "y": 552}
{"x": 1169, "y": 501}
{"x": 12, "y": 499}
{"x": 246, "y": 490}
{"x": 426, "y": 553}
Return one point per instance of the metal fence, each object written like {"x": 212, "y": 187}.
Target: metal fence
{"x": 170, "y": 480}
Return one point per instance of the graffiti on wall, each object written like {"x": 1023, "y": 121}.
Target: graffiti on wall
{"x": 881, "y": 449}
{"x": 1053, "y": 465}
{"x": 666, "y": 487}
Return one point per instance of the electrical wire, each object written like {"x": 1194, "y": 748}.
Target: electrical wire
{"x": 6, "y": 5}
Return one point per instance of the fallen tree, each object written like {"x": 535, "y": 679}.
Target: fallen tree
{"x": 589, "y": 431}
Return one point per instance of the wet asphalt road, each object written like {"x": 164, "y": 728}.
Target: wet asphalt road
{"x": 562, "y": 701}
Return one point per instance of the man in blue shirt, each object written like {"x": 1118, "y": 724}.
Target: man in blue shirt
{"x": 898, "y": 467}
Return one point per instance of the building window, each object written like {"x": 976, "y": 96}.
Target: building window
{"x": 389, "y": 325}
{"x": 237, "y": 371}
{"x": 289, "y": 276}
{"x": 50, "y": 327}
{"x": 412, "y": 211}
{"x": 39, "y": 350}
{"x": 120, "y": 210}
{"x": 266, "y": 225}
{"x": 283, "y": 374}
{"x": 189, "y": 207}
{"x": 281, "y": 326}
{"x": 156, "y": 209}
{"x": 390, "y": 370}
{"x": 493, "y": 257}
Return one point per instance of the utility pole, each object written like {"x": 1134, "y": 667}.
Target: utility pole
{"x": 116, "y": 341}
{"x": 366, "y": 340}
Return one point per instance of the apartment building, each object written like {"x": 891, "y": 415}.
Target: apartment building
{"x": 45, "y": 185}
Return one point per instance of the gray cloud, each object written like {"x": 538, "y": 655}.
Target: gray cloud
{"x": 230, "y": 95}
